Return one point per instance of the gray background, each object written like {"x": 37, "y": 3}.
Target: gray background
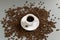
{"x": 50, "y": 4}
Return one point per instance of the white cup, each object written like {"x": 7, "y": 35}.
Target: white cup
{"x": 29, "y": 22}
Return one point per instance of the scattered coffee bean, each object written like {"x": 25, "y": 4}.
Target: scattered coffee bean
{"x": 45, "y": 26}
{"x": 57, "y": 29}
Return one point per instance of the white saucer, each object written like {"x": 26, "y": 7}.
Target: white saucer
{"x": 29, "y": 26}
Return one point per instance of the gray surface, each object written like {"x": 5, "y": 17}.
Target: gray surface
{"x": 50, "y": 4}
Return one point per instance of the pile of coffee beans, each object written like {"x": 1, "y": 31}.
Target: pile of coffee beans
{"x": 12, "y": 23}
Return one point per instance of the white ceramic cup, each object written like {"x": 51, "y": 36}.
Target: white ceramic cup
{"x": 29, "y": 25}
